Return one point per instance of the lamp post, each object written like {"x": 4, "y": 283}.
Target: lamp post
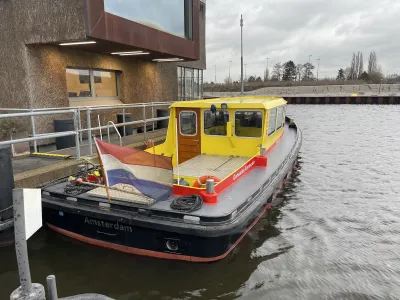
{"x": 318, "y": 68}
{"x": 230, "y": 71}
{"x": 267, "y": 70}
{"x": 215, "y": 73}
{"x": 241, "y": 46}
{"x": 245, "y": 71}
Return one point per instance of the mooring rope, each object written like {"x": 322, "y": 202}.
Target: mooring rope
{"x": 187, "y": 203}
{"x": 73, "y": 189}
{"x": 8, "y": 208}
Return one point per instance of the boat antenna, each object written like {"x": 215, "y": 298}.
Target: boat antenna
{"x": 177, "y": 152}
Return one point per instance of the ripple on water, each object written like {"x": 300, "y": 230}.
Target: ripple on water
{"x": 342, "y": 219}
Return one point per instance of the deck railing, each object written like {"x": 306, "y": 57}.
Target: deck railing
{"x": 8, "y": 113}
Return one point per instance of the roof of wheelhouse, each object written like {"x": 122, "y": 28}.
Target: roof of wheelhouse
{"x": 260, "y": 102}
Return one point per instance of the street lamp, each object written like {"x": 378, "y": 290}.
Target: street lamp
{"x": 309, "y": 58}
{"x": 318, "y": 68}
{"x": 267, "y": 69}
{"x": 245, "y": 71}
{"x": 230, "y": 71}
{"x": 215, "y": 73}
{"x": 241, "y": 58}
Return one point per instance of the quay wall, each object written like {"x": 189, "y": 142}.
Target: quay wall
{"x": 344, "y": 100}
{"x": 328, "y": 94}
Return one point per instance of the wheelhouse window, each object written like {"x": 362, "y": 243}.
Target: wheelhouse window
{"x": 279, "y": 122}
{"x": 188, "y": 123}
{"x": 215, "y": 123}
{"x": 272, "y": 121}
{"x": 83, "y": 83}
{"x": 248, "y": 123}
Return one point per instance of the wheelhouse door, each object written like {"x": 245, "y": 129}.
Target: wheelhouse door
{"x": 189, "y": 143}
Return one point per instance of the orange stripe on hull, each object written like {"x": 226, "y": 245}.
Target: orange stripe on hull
{"x": 137, "y": 251}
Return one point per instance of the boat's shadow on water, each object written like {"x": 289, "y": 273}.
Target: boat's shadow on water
{"x": 84, "y": 268}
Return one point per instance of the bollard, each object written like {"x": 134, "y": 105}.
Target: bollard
{"x": 210, "y": 183}
{"x": 52, "y": 287}
{"x": 263, "y": 151}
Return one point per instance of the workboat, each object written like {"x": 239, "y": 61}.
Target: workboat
{"x": 193, "y": 197}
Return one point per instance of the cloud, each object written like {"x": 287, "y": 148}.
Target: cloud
{"x": 285, "y": 30}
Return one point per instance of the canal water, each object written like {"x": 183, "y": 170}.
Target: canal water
{"x": 336, "y": 235}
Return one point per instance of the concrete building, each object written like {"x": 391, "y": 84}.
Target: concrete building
{"x": 60, "y": 53}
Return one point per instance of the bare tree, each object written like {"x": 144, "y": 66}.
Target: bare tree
{"x": 372, "y": 63}
{"x": 347, "y": 73}
{"x": 228, "y": 80}
{"x": 352, "y": 67}
{"x": 277, "y": 72}
{"x": 307, "y": 71}
{"x": 356, "y": 66}
{"x": 361, "y": 65}
{"x": 299, "y": 69}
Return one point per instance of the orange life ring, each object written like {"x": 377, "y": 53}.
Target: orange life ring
{"x": 202, "y": 180}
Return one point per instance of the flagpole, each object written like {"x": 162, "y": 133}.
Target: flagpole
{"x": 154, "y": 153}
{"x": 102, "y": 170}
{"x": 177, "y": 152}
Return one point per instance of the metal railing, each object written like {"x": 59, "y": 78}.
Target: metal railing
{"x": 77, "y": 118}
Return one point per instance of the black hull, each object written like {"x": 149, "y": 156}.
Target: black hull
{"x": 119, "y": 233}
{"x": 139, "y": 235}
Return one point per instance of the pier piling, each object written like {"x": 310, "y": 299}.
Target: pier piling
{"x": 52, "y": 287}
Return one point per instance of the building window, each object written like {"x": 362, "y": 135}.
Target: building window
{"x": 248, "y": 123}
{"x": 188, "y": 123}
{"x": 196, "y": 84}
{"x": 272, "y": 121}
{"x": 92, "y": 83}
{"x": 201, "y": 84}
{"x": 215, "y": 123}
{"x": 172, "y": 16}
{"x": 105, "y": 83}
{"x": 190, "y": 84}
{"x": 180, "y": 85}
{"x": 78, "y": 83}
{"x": 279, "y": 122}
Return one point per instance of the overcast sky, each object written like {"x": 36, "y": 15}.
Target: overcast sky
{"x": 293, "y": 29}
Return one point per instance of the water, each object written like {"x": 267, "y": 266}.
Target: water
{"x": 335, "y": 236}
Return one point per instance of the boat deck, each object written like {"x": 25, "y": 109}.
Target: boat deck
{"x": 215, "y": 165}
{"x": 230, "y": 199}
